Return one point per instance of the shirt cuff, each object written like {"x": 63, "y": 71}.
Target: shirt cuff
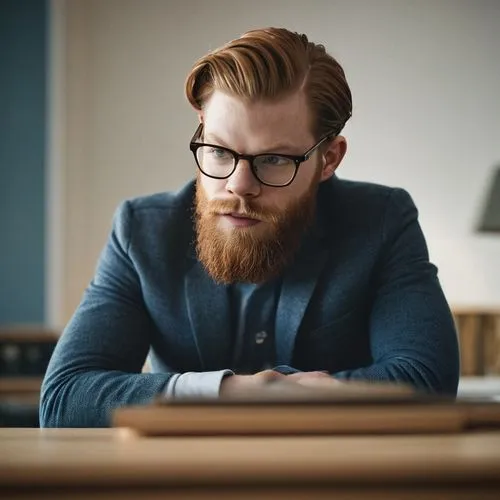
{"x": 196, "y": 384}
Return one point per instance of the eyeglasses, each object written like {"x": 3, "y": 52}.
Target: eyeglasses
{"x": 270, "y": 169}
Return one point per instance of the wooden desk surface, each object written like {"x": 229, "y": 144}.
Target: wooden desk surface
{"x": 85, "y": 461}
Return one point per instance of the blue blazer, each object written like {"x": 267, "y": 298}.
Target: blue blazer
{"x": 361, "y": 300}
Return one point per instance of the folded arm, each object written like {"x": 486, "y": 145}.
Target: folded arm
{"x": 96, "y": 366}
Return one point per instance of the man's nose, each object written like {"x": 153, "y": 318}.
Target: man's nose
{"x": 242, "y": 182}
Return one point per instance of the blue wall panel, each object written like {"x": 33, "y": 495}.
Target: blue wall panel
{"x": 23, "y": 63}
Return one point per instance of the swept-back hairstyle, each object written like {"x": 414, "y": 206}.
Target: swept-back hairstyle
{"x": 272, "y": 63}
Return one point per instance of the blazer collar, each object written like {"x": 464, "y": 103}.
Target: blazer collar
{"x": 299, "y": 283}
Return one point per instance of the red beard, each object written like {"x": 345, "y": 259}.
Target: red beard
{"x": 245, "y": 254}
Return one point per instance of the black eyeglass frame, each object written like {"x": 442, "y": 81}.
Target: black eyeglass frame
{"x": 297, "y": 159}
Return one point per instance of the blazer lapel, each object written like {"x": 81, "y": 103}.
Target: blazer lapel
{"x": 300, "y": 281}
{"x": 208, "y": 310}
{"x": 298, "y": 286}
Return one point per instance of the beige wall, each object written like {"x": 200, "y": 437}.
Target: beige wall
{"x": 425, "y": 79}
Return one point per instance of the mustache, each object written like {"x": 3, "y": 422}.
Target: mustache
{"x": 243, "y": 208}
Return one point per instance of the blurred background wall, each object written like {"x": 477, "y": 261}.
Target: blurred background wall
{"x": 424, "y": 76}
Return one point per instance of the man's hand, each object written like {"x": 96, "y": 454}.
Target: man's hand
{"x": 314, "y": 379}
{"x": 307, "y": 375}
{"x": 241, "y": 384}
{"x": 238, "y": 384}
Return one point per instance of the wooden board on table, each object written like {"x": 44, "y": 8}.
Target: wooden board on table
{"x": 285, "y": 409}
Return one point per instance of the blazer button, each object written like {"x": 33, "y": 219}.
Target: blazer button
{"x": 260, "y": 337}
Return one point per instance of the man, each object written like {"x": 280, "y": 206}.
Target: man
{"x": 267, "y": 266}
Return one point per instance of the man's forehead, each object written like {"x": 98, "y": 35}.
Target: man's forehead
{"x": 265, "y": 123}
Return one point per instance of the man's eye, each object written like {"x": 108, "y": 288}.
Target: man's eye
{"x": 273, "y": 160}
{"x": 218, "y": 153}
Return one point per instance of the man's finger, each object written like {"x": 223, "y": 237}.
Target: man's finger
{"x": 308, "y": 375}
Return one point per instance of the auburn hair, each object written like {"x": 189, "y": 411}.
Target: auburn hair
{"x": 272, "y": 63}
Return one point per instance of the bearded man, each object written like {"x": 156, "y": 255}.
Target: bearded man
{"x": 265, "y": 266}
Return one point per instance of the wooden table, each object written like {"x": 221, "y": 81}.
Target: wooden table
{"x": 117, "y": 464}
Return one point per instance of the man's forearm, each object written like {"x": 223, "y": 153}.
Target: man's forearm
{"x": 442, "y": 381}
{"x": 88, "y": 399}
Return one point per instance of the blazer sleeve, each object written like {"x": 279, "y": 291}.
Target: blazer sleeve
{"x": 96, "y": 365}
{"x": 412, "y": 332}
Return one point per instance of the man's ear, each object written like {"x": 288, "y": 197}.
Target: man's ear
{"x": 333, "y": 156}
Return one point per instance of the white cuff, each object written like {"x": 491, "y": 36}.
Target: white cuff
{"x": 196, "y": 384}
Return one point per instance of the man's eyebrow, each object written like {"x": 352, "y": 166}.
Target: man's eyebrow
{"x": 215, "y": 139}
{"x": 282, "y": 147}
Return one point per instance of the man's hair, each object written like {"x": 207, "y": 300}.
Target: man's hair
{"x": 270, "y": 64}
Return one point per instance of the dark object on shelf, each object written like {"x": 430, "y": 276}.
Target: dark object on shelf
{"x": 25, "y": 352}
{"x": 24, "y": 355}
{"x": 18, "y": 414}
{"x": 490, "y": 220}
